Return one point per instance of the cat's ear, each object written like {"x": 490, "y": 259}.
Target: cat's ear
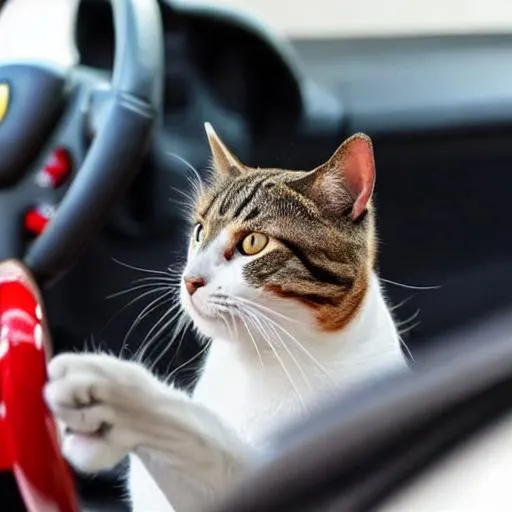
{"x": 223, "y": 160}
{"x": 346, "y": 180}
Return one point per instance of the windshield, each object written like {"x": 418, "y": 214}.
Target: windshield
{"x": 347, "y": 18}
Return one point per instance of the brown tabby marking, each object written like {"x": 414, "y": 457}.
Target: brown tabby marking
{"x": 319, "y": 255}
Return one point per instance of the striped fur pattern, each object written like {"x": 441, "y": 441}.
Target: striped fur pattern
{"x": 318, "y": 254}
{"x": 279, "y": 276}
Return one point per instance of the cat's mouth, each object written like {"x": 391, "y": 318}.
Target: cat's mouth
{"x": 221, "y": 301}
{"x": 208, "y": 310}
{"x": 209, "y": 314}
{"x": 224, "y": 305}
{"x": 214, "y": 309}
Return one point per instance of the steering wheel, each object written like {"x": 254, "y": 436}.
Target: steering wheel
{"x": 70, "y": 144}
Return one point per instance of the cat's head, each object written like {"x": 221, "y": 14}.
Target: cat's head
{"x": 269, "y": 245}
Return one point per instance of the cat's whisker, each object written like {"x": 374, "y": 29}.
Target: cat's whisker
{"x": 275, "y": 325}
{"x": 170, "y": 365}
{"x": 409, "y": 328}
{"x": 196, "y": 184}
{"x": 406, "y": 348}
{"x": 187, "y": 204}
{"x": 226, "y": 307}
{"x": 145, "y": 350}
{"x": 410, "y": 286}
{"x": 136, "y": 299}
{"x": 147, "y": 310}
{"x": 166, "y": 296}
{"x": 148, "y": 341}
{"x": 157, "y": 279}
{"x": 297, "y": 342}
{"x": 139, "y": 269}
{"x": 264, "y": 308}
{"x": 199, "y": 182}
{"x": 235, "y": 326}
{"x": 182, "y": 326}
{"x": 175, "y": 335}
{"x": 233, "y": 320}
{"x": 401, "y": 303}
{"x": 225, "y": 322}
{"x": 254, "y": 343}
{"x": 241, "y": 315}
{"x": 143, "y": 347}
{"x": 304, "y": 350}
{"x": 266, "y": 338}
{"x": 136, "y": 321}
{"x": 176, "y": 277}
{"x": 175, "y": 271}
{"x": 153, "y": 287}
{"x": 162, "y": 319}
{"x": 265, "y": 321}
{"x": 184, "y": 194}
{"x": 125, "y": 307}
{"x": 408, "y": 320}
{"x": 197, "y": 355}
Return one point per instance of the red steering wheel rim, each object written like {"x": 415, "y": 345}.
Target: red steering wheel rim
{"x": 29, "y": 444}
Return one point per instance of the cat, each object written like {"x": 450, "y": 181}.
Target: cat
{"x": 280, "y": 277}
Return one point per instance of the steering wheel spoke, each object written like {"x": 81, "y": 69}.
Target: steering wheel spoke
{"x": 73, "y": 138}
{"x": 70, "y": 145}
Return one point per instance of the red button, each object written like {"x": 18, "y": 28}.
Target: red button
{"x": 36, "y": 221}
{"x": 57, "y": 169}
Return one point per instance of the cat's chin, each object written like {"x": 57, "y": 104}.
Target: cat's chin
{"x": 212, "y": 328}
{"x": 208, "y": 324}
{"x": 206, "y": 318}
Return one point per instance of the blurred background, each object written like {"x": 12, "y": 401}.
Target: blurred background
{"x": 284, "y": 82}
{"x": 343, "y": 18}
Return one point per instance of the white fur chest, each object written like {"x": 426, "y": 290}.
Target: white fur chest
{"x": 250, "y": 398}
{"x": 256, "y": 394}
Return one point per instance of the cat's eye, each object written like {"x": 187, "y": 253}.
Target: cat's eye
{"x": 198, "y": 233}
{"x": 253, "y": 244}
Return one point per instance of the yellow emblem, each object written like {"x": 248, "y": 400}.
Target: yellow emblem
{"x": 4, "y": 100}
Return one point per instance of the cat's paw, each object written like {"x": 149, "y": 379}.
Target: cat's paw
{"x": 96, "y": 398}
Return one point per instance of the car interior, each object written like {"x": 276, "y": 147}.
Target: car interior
{"x": 439, "y": 111}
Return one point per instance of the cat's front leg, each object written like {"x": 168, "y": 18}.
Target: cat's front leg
{"x": 110, "y": 407}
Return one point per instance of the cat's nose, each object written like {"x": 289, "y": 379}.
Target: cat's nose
{"x": 192, "y": 284}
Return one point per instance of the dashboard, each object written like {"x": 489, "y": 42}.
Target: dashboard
{"x": 234, "y": 64}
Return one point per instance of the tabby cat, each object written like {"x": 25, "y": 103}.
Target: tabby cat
{"x": 280, "y": 278}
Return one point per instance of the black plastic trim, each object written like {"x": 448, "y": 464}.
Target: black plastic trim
{"x": 139, "y": 57}
{"x": 84, "y": 208}
{"x": 36, "y": 98}
{"x": 414, "y": 84}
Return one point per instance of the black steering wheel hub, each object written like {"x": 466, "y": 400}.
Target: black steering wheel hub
{"x": 33, "y": 99}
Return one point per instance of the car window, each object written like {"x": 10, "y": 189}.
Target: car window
{"x": 338, "y": 18}
{"x": 28, "y": 30}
